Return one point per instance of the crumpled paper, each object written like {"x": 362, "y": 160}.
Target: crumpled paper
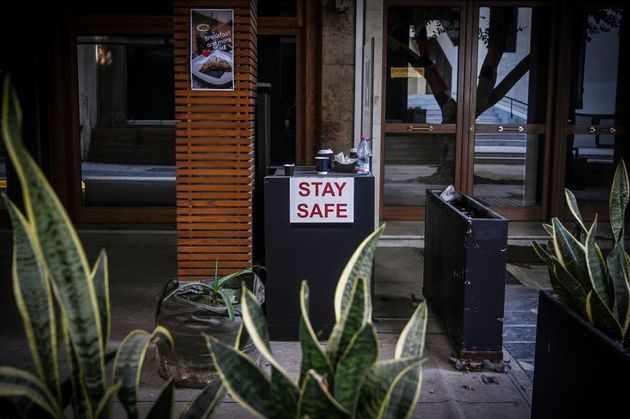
{"x": 343, "y": 159}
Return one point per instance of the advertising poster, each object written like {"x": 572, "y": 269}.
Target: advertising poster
{"x": 212, "y": 49}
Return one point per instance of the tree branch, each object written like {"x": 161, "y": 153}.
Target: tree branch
{"x": 504, "y": 86}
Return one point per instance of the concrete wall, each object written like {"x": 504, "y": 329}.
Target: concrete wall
{"x": 337, "y": 77}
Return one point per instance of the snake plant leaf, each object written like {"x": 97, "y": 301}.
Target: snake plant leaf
{"x": 163, "y": 406}
{"x": 100, "y": 278}
{"x": 353, "y": 318}
{"x": 406, "y": 391}
{"x": 548, "y": 228}
{"x": 283, "y": 390}
{"x": 562, "y": 291}
{"x": 128, "y": 364}
{"x": 379, "y": 384}
{"x": 619, "y": 194}
{"x": 574, "y": 209}
{"x": 247, "y": 383}
{"x": 353, "y": 365}
{"x": 103, "y": 410}
{"x": 576, "y": 293}
{"x": 62, "y": 250}
{"x": 602, "y": 318}
{"x": 621, "y": 288}
{"x": 34, "y": 300}
{"x": 316, "y": 400}
{"x": 596, "y": 270}
{"x": 227, "y": 294}
{"x": 81, "y": 404}
{"x": 359, "y": 265}
{"x": 411, "y": 339}
{"x": 204, "y": 405}
{"x": 18, "y": 383}
{"x": 541, "y": 252}
{"x": 571, "y": 253}
{"x": 313, "y": 356}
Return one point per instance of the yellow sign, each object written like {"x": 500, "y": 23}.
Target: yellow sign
{"x": 406, "y": 72}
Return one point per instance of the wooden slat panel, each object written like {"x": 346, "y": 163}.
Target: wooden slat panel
{"x": 215, "y": 152}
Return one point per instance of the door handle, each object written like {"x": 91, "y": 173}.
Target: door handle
{"x": 411, "y": 128}
{"x": 501, "y": 128}
{"x": 593, "y": 130}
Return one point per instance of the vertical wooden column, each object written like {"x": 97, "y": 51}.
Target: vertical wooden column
{"x": 215, "y": 151}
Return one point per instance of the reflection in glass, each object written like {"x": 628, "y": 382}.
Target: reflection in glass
{"x": 276, "y": 65}
{"x": 513, "y": 56}
{"x": 508, "y": 169}
{"x": 126, "y": 120}
{"x": 415, "y": 163}
{"x": 422, "y": 54}
{"x": 597, "y": 103}
{"x": 277, "y": 8}
{"x": 3, "y": 172}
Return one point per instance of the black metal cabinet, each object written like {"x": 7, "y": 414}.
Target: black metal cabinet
{"x": 315, "y": 252}
{"x": 464, "y": 273}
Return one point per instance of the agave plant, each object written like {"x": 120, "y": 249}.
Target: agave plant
{"x": 65, "y": 302}
{"x": 597, "y": 288}
{"x": 344, "y": 379}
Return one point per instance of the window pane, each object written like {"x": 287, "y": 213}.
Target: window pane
{"x": 416, "y": 163}
{"x": 277, "y": 8}
{"x": 126, "y": 120}
{"x": 595, "y": 91}
{"x": 421, "y": 74}
{"x": 276, "y": 65}
{"x": 513, "y": 65}
{"x": 508, "y": 169}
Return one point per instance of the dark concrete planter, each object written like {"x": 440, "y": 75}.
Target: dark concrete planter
{"x": 579, "y": 371}
{"x": 464, "y": 273}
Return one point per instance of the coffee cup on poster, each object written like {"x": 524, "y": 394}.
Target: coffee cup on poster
{"x": 322, "y": 164}
{"x": 201, "y": 38}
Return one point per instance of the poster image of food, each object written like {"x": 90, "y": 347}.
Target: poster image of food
{"x": 212, "y": 49}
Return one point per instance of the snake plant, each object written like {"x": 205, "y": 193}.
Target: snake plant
{"x": 64, "y": 302}
{"x": 596, "y": 287}
{"x": 345, "y": 379}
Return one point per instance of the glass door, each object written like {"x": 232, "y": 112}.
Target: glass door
{"x": 513, "y": 46}
{"x": 596, "y": 138}
{"x": 423, "y": 84}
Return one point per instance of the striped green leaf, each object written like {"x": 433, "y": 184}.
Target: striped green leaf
{"x": 283, "y": 391}
{"x": 34, "y": 300}
{"x": 602, "y": 318}
{"x": 621, "y": 288}
{"x": 204, "y": 405}
{"x": 596, "y": 269}
{"x": 359, "y": 265}
{"x": 379, "y": 384}
{"x": 541, "y": 252}
{"x": 221, "y": 281}
{"x": 163, "y": 406}
{"x": 619, "y": 193}
{"x": 353, "y": 365}
{"x": 576, "y": 292}
{"x": 226, "y": 295}
{"x": 103, "y": 410}
{"x": 574, "y": 209}
{"x": 548, "y": 228}
{"x": 81, "y": 404}
{"x": 313, "y": 356}
{"x": 406, "y": 392}
{"x": 571, "y": 254}
{"x": 18, "y": 383}
{"x": 355, "y": 315}
{"x": 247, "y": 383}
{"x": 100, "y": 278}
{"x": 316, "y": 400}
{"x": 128, "y": 365}
{"x": 61, "y": 248}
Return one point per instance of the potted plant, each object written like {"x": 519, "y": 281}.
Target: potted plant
{"x": 582, "y": 360}
{"x": 193, "y": 308}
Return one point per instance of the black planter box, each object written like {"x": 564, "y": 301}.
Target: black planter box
{"x": 579, "y": 371}
{"x": 464, "y": 273}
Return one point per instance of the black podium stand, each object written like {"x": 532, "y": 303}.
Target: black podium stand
{"x": 315, "y": 251}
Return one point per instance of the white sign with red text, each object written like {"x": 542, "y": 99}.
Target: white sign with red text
{"x": 320, "y": 200}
